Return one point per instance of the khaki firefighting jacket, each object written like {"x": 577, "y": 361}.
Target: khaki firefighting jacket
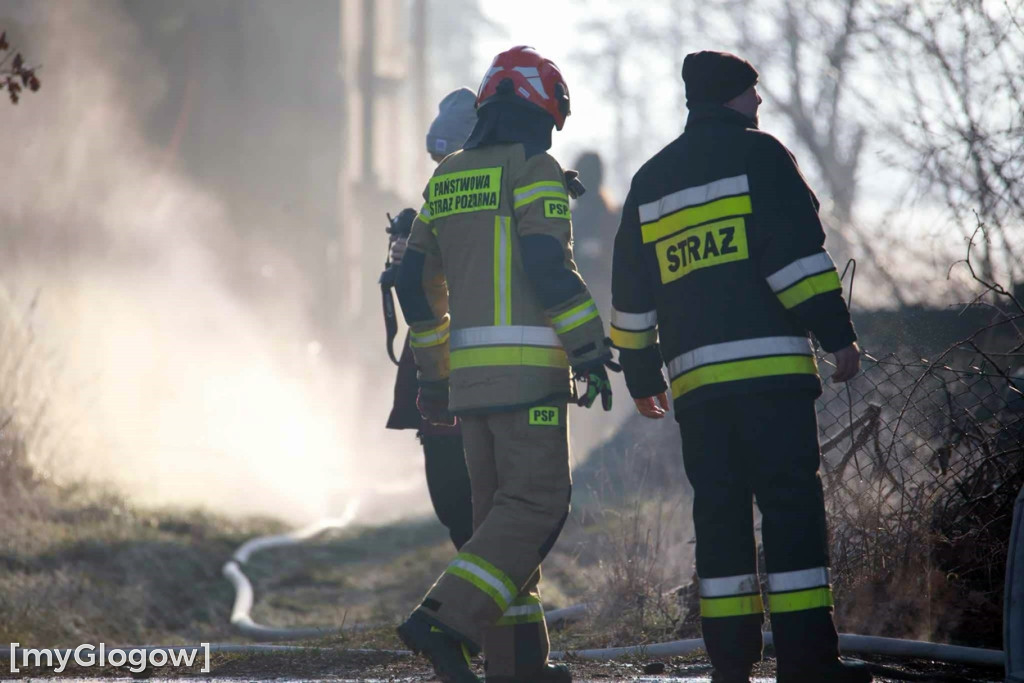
{"x": 488, "y": 284}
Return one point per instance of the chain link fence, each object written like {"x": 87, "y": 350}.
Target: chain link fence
{"x": 921, "y": 463}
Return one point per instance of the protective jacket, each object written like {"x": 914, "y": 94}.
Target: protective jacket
{"x": 719, "y": 267}
{"x": 488, "y": 284}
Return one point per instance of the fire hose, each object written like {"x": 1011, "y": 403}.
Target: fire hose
{"x": 848, "y": 643}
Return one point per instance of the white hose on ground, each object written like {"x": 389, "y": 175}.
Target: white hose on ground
{"x": 241, "y": 617}
{"x": 1013, "y": 608}
{"x": 848, "y": 644}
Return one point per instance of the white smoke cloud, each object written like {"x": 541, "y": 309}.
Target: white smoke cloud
{"x": 185, "y": 379}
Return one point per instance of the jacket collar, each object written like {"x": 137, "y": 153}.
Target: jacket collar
{"x": 508, "y": 121}
{"x": 716, "y": 113}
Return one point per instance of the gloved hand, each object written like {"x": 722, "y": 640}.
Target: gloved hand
{"x": 432, "y": 402}
{"x": 596, "y": 378}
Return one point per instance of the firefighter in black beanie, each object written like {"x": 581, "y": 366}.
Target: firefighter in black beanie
{"x": 720, "y": 269}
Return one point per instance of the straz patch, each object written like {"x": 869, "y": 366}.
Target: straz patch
{"x": 478, "y": 189}
{"x": 703, "y": 246}
{"x": 545, "y": 416}
{"x": 556, "y": 208}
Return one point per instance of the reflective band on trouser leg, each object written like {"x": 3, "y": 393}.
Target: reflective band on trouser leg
{"x": 526, "y": 609}
{"x": 625, "y": 339}
{"x": 484, "y": 576}
{"x": 743, "y": 369}
{"x": 798, "y": 601}
{"x": 487, "y": 356}
{"x": 810, "y": 287}
{"x": 735, "y": 606}
{"x": 574, "y": 317}
{"x": 798, "y": 580}
{"x": 432, "y": 337}
{"x": 730, "y": 596}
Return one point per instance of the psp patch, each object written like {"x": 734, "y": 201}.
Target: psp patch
{"x": 556, "y": 208}
{"x": 544, "y": 416}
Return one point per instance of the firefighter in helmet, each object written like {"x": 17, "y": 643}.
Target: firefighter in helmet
{"x": 501, "y": 323}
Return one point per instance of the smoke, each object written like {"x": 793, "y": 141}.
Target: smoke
{"x": 189, "y": 374}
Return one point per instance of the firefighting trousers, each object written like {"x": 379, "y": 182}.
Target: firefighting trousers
{"x": 448, "y": 484}
{"x": 519, "y": 472}
{"x": 763, "y": 447}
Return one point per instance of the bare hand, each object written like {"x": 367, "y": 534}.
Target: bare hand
{"x": 847, "y": 363}
{"x": 398, "y": 248}
{"x": 653, "y": 407}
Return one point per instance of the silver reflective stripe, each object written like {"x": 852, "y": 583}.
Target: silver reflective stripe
{"x": 516, "y": 335}
{"x": 693, "y": 196}
{"x": 799, "y": 269}
{"x": 485, "y": 576}
{"x": 745, "y": 584}
{"x": 533, "y": 76}
{"x": 548, "y": 187}
{"x": 564, "y": 323}
{"x": 503, "y": 313}
{"x": 522, "y": 610}
{"x": 799, "y": 580}
{"x": 425, "y": 211}
{"x": 737, "y": 350}
{"x": 634, "y": 322}
{"x": 435, "y": 335}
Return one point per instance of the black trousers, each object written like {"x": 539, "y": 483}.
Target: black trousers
{"x": 448, "y": 484}
{"x": 762, "y": 446}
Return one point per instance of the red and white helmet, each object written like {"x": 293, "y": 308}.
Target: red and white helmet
{"x": 534, "y": 79}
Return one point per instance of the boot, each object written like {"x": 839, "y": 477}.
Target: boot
{"x": 551, "y": 673}
{"x": 719, "y": 676}
{"x": 837, "y": 671}
{"x": 449, "y": 656}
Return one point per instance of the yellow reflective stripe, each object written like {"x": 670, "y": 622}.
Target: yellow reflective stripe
{"x": 810, "y": 287}
{"x": 487, "y": 356}
{"x": 797, "y": 601}
{"x": 695, "y": 215}
{"x": 543, "y": 194}
{"x": 526, "y": 609}
{"x": 575, "y": 316}
{"x": 504, "y": 583}
{"x": 545, "y": 189}
{"x": 735, "y": 606}
{"x": 743, "y": 369}
{"x": 625, "y": 339}
{"x": 508, "y": 270}
{"x": 497, "y": 270}
{"x": 427, "y": 344}
{"x": 481, "y": 584}
{"x": 424, "y": 213}
{"x": 502, "y": 271}
{"x": 432, "y": 337}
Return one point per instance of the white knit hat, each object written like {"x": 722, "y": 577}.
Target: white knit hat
{"x": 454, "y": 122}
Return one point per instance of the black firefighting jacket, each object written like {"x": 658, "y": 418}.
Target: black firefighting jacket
{"x": 719, "y": 269}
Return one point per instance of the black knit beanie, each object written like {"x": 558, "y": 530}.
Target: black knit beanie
{"x": 716, "y": 77}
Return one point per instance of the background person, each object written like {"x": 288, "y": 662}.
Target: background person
{"x": 443, "y": 456}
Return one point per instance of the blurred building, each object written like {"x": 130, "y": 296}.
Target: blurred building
{"x": 306, "y": 119}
